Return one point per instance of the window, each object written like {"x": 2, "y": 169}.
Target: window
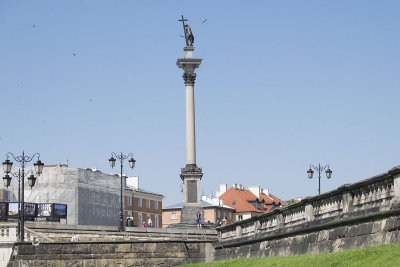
{"x": 240, "y": 217}
{"x": 234, "y": 203}
{"x": 230, "y": 216}
{"x": 130, "y": 201}
{"x": 173, "y": 215}
{"x": 218, "y": 214}
{"x": 148, "y": 203}
{"x": 156, "y": 205}
{"x": 139, "y": 202}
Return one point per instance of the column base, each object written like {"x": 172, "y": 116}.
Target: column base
{"x": 189, "y": 214}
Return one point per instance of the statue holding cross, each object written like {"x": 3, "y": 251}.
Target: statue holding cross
{"x": 188, "y": 32}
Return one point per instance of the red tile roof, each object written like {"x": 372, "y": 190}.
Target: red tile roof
{"x": 267, "y": 199}
{"x": 243, "y": 197}
{"x": 277, "y": 200}
{"x": 268, "y": 208}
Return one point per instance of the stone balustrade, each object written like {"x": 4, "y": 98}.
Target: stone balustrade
{"x": 376, "y": 194}
{"x": 8, "y": 232}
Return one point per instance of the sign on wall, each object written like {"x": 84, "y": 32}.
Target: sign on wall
{"x": 13, "y": 210}
{"x": 3, "y": 210}
{"x": 60, "y": 210}
{"x": 45, "y": 210}
{"x": 30, "y": 209}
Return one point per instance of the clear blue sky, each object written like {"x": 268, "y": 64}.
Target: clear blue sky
{"x": 282, "y": 84}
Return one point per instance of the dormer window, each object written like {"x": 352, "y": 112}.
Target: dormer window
{"x": 234, "y": 203}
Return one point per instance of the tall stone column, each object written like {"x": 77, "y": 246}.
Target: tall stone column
{"x": 190, "y": 174}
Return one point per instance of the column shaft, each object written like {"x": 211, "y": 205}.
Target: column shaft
{"x": 190, "y": 126}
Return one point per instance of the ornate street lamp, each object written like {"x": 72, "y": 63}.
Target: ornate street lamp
{"x": 38, "y": 167}
{"x": 7, "y": 180}
{"x": 132, "y": 162}
{"x": 328, "y": 173}
{"x": 319, "y": 168}
{"x": 112, "y": 161}
{"x": 7, "y": 165}
{"x": 310, "y": 173}
{"x": 31, "y": 180}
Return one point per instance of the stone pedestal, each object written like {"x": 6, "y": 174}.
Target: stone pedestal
{"x": 191, "y": 176}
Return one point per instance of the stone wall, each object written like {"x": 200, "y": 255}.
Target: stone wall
{"x": 161, "y": 253}
{"x": 316, "y": 237}
{"x": 357, "y": 215}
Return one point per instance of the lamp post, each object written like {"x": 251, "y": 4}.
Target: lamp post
{"x": 7, "y": 165}
{"x": 320, "y": 169}
{"x": 112, "y": 161}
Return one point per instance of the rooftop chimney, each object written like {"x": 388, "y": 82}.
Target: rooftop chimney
{"x": 256, "y": 190}
{"x": 265, "y": 191}
{"x": 222, "y": 189}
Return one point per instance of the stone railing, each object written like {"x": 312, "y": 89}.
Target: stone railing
{"x": 8, "y": 232}
{"x": 88, "y": 233}
{"x": 376, "y": 194}
{"x": 35, "y": 238}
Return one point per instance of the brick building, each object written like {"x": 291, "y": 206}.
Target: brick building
{"x": 141, "y": 204}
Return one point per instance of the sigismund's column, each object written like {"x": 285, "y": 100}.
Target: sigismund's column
{"x": 191, "y": 174}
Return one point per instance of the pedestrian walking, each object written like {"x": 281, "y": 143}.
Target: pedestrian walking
{"x": 198, "y": 220}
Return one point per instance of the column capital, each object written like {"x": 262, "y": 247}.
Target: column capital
{"x": 189, "y": 78}
{"x": 191, "y": 171}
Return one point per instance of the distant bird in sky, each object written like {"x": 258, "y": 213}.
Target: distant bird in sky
{"x": 74, "y": 54}
{"x": 33, "y": 26}
{"x": 204, "y": 20}
{"x": 90, "y": 99}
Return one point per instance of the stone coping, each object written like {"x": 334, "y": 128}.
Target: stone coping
{"x": 71, "y": 227}
{"x": 112, "y": 229}
{"x": 114, "y": 242}
{"x": 171, "y": 230}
